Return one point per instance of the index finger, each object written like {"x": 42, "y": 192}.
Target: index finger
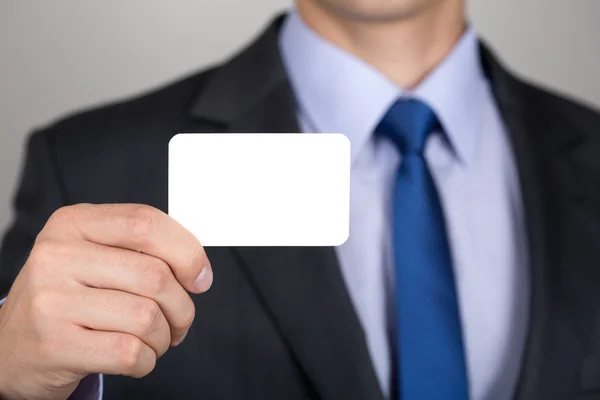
{"x": 147, "y": 230}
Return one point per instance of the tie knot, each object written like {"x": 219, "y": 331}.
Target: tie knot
{"x": 408, "y": 123}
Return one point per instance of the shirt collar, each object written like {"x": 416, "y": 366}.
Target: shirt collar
{"x": 340, "y": 93}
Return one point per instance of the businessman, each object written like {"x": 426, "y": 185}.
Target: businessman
{"x": 472, "y": 270}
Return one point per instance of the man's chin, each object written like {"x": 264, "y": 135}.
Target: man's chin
{"x": 370, "y": 12}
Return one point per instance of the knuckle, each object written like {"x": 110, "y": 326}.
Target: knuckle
{"x": 61, "y": 215}
{"x": 187, "y": 317}
{"x": 65, "y": 215}
{"x": 44, "y": 304}
{"x": 45, "y": 261}
{"x": 164, "y": 344}
{"x": 44, "y": 252}
{"x": 141, "y": 223}
{"x": 61, "y": 219}
{"x": 129, "y": 350}
{"x": 147, "y": 314}
{"x": 156, "y": 276}
{"x": 146, "y": 369}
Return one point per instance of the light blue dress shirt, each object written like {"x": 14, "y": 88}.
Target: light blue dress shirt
{"x": 474, "y": 171}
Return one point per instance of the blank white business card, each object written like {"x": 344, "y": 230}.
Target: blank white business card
{"x": 261, "y": 189}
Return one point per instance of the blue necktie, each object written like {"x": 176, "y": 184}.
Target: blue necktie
{"x": 431, "y": 359}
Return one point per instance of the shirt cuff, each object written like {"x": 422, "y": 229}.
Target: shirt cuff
{"x": 90, "y": 388}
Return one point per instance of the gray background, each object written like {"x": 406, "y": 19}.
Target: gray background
{"x": 60, "y": 55}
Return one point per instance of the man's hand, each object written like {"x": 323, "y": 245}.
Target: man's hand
{"x": 103, "y": 291}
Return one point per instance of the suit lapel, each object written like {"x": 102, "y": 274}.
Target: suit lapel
{"x": 302, "y": 288}
{"x": 560, "y": 321}
{"x": 304, "y": 291}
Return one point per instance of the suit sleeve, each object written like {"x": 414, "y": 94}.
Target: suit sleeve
{"x": 39, "y": 193}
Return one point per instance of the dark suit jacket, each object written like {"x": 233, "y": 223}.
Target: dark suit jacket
{"x": 278, "y": 322}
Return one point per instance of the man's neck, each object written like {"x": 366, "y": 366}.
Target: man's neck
{"x": 405, "y": 51}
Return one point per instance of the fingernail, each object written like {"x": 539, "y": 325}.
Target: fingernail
{"x": 181, "y": 339}
{"x": 204, "y": 280}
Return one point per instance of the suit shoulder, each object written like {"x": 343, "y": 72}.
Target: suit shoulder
{"x": 585, "y": 118}
{"x": 157, "y": 107}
